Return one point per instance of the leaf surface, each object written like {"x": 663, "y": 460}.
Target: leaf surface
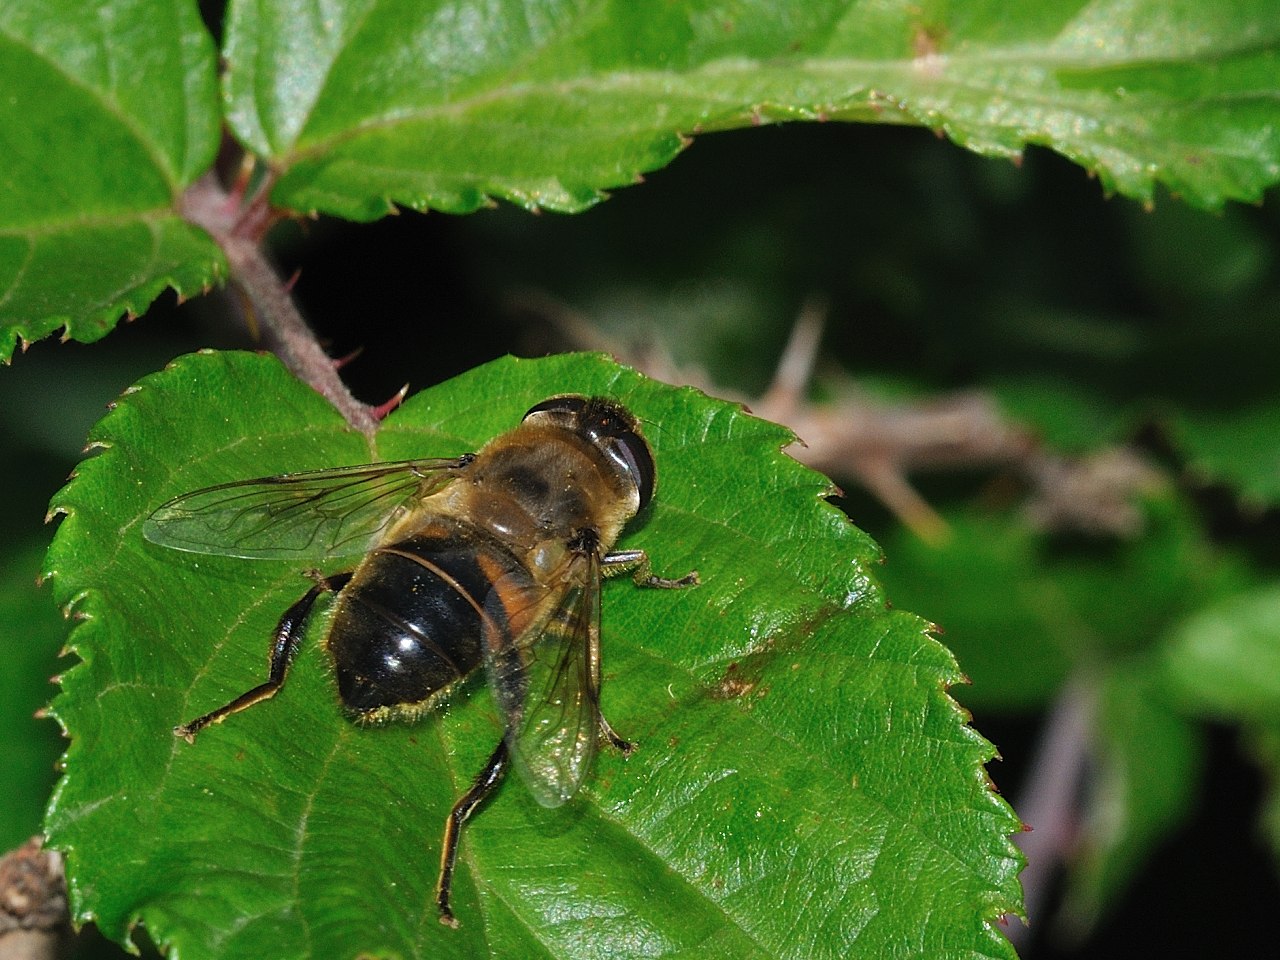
{"x": 109, "y": 112}
{"x": 803, "y": 786}
{"x": 549, "y": 102}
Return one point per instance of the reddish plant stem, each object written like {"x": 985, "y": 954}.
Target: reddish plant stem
{"x": 1050, "y": 799}
{"x": 238, "y": 228}
{"x": 286, "y": 334}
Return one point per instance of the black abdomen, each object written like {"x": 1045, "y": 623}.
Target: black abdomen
{"x": 411, "y": 622}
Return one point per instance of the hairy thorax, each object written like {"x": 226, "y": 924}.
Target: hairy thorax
{"x": 538, "y": 490}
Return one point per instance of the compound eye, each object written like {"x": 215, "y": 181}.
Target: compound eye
{"x": 614, "y": 431}
{"x": 564, "y": 404}
{"x": 634, "y": 454}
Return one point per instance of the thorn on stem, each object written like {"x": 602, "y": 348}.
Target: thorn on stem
{"x": 891, "y": 487}
{"x": 795, "y": 367}
{"x": 340, "y": 362}
{"x": 380, "y": 412}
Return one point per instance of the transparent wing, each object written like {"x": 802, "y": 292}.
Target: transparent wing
{"x": 547, "y": 685}
{"x": 314, "y": 515}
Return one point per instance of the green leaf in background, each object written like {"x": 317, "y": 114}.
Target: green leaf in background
{"x": 1239, "y": 447}
{"x": 1023, "y": 610}
{"x": 1266, "y": 747}
{"x": 1058, "y": 604}
{"x": 1027, "y": 613}
{"x": 547, "y": 103}
{"x": 1146, "y": 780}
{"x": 1067, "y": 416}
{"x": 803, "y": 787}
{"x": 1225, "y": 659}
{"x": 109, "y": 111}
{"x": 31, "y": 632}
{"x": 1014, "y": 643}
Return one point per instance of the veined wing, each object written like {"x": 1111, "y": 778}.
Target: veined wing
{"x": 313, "y": 515}
{"x": 548, "y": 686}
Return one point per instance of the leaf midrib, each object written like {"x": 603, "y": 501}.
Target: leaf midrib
{"x": 663, "y": 83}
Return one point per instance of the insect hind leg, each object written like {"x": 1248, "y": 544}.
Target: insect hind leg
{"x": 288, "y": 637}
{"x": 611, "y": 736}
{"x": 485, "y": 783}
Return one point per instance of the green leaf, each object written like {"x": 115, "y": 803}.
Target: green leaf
{"x": 30, "y": 634}
{"x": 1020, "y": 608}
{"x": 547, "y": 102}
{"x": 1222, "y": 660}
{"x": 803, "y": 785}
{"x": 1150, "y": 758}
{"x": 109, "y": 112}
{"x": 994, "y": 605}
{"x": 1225, "y": 659}
{"x": 1265, "y": 744}
{"x": 1238, "y": 446}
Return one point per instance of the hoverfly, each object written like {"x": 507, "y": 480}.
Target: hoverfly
{"x": 490, "y": 558}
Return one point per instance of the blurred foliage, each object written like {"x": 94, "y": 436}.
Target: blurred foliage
{"x": 31, "y": 632}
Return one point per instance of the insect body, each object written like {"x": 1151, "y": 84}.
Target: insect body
{"x": 491, "y": 558}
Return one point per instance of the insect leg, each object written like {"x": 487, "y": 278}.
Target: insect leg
{"x": 485, "y": 783}
{"x": 618, "y": 743}
{"x": 287, "y": 638}
{"x": 636, "y": 562}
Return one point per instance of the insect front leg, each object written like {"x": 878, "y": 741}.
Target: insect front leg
{"x": 485, "y": 783}
{"x": 636, "y": 562}
{"x": 288, "y": 636}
